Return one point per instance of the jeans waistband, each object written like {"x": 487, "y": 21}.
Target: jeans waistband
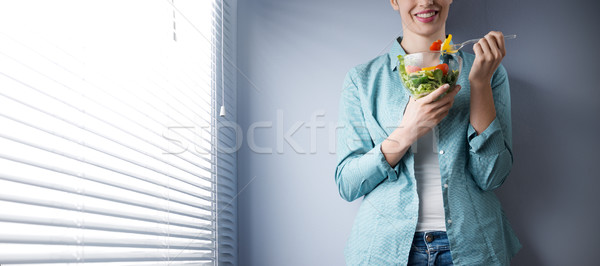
{"x": 432, "y": 240}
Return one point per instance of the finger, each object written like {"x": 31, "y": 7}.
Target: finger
{"x": 456, "y": 89}
{"x": 446, "y": 103}
{"x": 485, "y": 48}
{"x": 500, "y": 42}
{"x": 491, "y": 41}
{"x": 450, "y": 96}
{"x": 477, "y": 50}
{"x": 444, "y": 114}
{"x": 443, "y": 111}
{"x": 436, "y": 93}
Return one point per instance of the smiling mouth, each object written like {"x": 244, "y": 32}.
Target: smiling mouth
{"x": 427, "y": 15}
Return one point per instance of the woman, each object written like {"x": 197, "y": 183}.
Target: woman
{"x": 421, "y": 207}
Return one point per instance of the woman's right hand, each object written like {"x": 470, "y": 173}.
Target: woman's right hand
{"x": 421, "y": 115}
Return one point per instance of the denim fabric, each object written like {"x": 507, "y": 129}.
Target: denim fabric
{"x": 435, "y": 253}
{"x": 472, "y": 166}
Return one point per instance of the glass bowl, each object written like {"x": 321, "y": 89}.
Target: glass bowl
{"x": 422, "y": 73}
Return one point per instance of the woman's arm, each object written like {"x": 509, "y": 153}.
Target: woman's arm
{"x": 489, "y": 52}
{"x": 490, "y": 132}
{"x": 361, "y": 165}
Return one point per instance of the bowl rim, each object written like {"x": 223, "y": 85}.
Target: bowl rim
{"x": 431, "y": 52}
{"x": 458, "y": 57}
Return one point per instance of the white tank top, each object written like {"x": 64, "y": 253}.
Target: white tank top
{"x": 429, "y": 184}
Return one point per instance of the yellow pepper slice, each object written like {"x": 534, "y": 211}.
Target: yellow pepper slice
{"x": 446, "y": 45}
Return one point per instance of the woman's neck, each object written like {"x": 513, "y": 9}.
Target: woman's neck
{"x": 412, "y": 42}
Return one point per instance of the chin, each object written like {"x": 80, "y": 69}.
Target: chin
{"x": 426, "y": 31}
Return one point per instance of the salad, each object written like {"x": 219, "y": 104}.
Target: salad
{"x": 422, "y": 81}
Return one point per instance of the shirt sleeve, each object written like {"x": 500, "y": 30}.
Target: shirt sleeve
{"x": 361, "y": 165}
{"x": 490, "y": 153}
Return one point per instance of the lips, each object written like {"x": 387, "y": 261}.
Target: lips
{"x": 426, "y": 15}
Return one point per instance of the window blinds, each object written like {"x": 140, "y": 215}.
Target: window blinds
{"x": 227, "y": 130}
{"x": 109, "y": 134}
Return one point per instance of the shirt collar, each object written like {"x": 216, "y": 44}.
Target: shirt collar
{"x": 395, "y": 51}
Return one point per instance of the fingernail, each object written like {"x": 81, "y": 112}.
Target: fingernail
{"x": 446, "y": 86}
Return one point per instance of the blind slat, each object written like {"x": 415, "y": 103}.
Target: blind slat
{"x": 50, "y": 235}
{"x": 101, "y": 191}
{"x": 81, "y": 202}
{"x": 24, "y": 253}
{"x": 37, "y": 215}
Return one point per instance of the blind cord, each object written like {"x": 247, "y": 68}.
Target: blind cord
{"x": 222, "y": 112}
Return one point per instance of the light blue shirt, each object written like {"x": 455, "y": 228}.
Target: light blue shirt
{"x": 372, "y": 102}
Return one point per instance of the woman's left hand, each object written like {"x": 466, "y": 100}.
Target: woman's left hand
{"x": 489, "y": 52}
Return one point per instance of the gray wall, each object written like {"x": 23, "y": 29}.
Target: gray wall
{"x": 292, "y": 58}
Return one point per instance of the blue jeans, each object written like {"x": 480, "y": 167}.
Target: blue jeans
{"x": 430, "y": 248}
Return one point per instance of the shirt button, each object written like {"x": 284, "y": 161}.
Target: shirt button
{"x": 449, "y": 221}
{"x": 445, "y": 185}
{"x": 441, "y": 151}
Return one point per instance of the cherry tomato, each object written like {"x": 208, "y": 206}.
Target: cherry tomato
{"x": 436, "y": 46}
{"x": 444, "y": 67}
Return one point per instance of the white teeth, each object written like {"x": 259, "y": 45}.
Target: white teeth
{"x": 426, "y": 15}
